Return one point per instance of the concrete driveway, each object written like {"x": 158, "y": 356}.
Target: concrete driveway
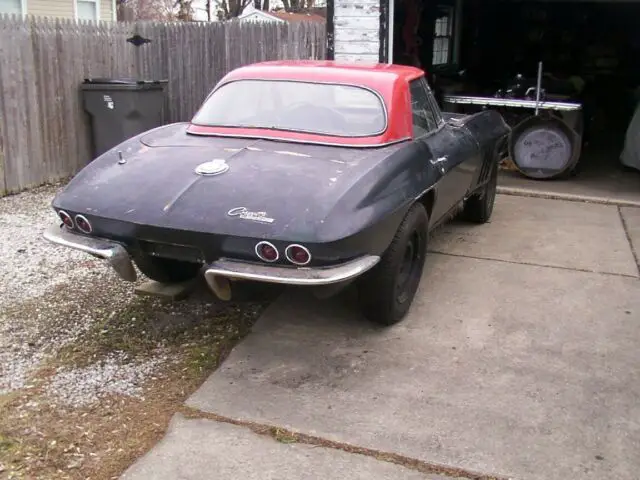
{"x": 518, "y": 359}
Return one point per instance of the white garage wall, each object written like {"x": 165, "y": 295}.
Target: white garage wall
{"x": 356, "y": 26}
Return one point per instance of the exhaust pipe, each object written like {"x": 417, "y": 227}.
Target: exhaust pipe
{"x": 221, "y": 286}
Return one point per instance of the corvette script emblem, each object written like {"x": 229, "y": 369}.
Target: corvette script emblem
{"x": 214, "y": 167}
{"x": 242, "y": 212}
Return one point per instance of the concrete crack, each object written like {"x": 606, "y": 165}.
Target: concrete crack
{"x": 288, "y": 436}
{"x": 531, "y": 264}
{"x": 625, "y": 227}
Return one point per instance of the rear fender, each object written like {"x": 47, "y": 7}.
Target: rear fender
{"x": 413, "y": 177}
{"x": 490, "y": 132}
{"x": 379, "y": 200}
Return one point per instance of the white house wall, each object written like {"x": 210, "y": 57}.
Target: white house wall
{"x": 356, "y": 26}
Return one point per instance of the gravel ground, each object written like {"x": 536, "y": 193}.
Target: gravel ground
{"x": 43, "y": 306}
{"x": 28, "y": 264}
{"x": 114, "y": 374}
{"x": 90, "y": 372}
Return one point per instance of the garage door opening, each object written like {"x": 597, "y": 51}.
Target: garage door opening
{"x": 492, "y": 49}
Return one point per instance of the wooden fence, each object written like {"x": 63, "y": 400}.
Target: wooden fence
{"x": 44, "y": 132}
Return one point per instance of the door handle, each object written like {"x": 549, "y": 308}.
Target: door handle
{"x": 438, "y": 160}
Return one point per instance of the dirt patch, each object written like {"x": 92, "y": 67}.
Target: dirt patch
{"x": 90, "y": 373}
{"x": 86, "y": 412}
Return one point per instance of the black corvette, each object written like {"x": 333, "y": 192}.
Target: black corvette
{"x": 301, "y": 173}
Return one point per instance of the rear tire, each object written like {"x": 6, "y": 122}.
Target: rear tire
{"x": 166, "y": 270}
{"x": 386, "y": 292}
{"x": 479, "y": 207}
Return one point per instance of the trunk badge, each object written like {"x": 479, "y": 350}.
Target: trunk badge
{"x": 242, "y": 212}
{"x": 214, "y": 167}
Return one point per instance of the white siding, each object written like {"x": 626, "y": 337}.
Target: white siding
{"x": 356, "y": 27}
{"x": 65, "y": 8}
{"x": 106, "y": 10}
{"x": 51, "y": 8}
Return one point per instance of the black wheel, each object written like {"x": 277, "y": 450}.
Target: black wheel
{"x": 386, "y": 292}
{"x": 479, "y": 207}
{"x": 166, "y": 270}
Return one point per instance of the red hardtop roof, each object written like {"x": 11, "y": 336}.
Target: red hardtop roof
{"x": 378, "y": 76}
{"x": 389, "y": 81}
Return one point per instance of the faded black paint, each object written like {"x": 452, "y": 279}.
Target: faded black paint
{"x": 341, "y": 202}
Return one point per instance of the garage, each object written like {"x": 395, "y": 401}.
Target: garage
{"x": 564, "y": 74}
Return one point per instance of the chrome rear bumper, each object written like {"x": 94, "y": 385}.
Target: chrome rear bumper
{"x": 224, "y": 268}
{"x": 233, "y": 269}
{"x": 112, "y": 252}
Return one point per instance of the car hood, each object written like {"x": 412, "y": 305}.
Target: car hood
{"x": 275, "y": 189}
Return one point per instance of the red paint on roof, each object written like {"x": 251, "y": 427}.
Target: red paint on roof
{"x": 370, "y": 75}
{"x": 390, "y": 81}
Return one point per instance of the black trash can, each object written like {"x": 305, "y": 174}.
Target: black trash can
{"x": 121, "y": 109}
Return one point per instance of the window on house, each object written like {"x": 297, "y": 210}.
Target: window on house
{"x": 11, "y": 6}
{"x": 442, "y": 36}
{"x": 87, "y": 10}
{"x": 424, "y": 120}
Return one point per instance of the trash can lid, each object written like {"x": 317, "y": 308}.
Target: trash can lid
{"x": 121, "y": 84}
{"x": 122, "y": 81}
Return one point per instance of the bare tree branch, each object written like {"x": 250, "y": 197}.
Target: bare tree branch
{"x": 298, "y": 5}
{"x": 131, "y": 10}
{"x": 229, "y": 9}
{"x": 185, "y": 9}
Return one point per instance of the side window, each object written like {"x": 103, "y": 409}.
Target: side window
{"x": 423, "y": 118}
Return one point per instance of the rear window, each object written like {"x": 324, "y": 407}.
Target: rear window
{"x": 324, "y": 109}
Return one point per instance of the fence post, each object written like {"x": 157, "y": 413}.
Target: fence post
{"x": 3, "y": 184}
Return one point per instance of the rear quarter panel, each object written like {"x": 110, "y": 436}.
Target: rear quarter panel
{"x": 379, "y": 200}
{"x": 490, "y": 131}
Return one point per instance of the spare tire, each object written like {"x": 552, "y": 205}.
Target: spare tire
{"x": 544, "y": 147}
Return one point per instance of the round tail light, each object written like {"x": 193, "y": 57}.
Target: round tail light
{"x": 66, "y": 219}
{"x": 267, "y": 252}
{"x": 298, "y": 255}
{"x": 83, "y": 224}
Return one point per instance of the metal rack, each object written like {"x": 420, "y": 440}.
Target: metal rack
{"x": 563, "y": 124}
